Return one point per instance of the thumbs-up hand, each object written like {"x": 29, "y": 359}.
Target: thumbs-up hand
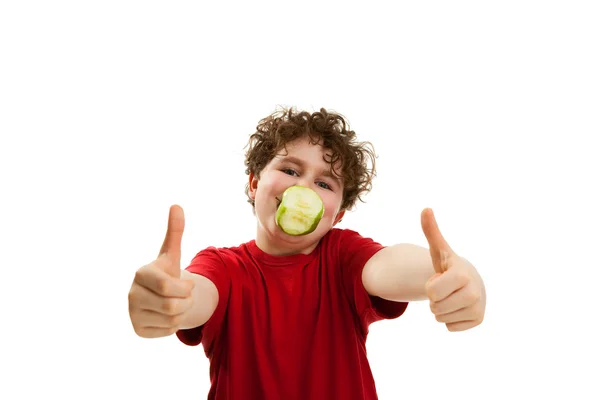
{"x": 456, "y": 291}
{"x": 158, "y": 298}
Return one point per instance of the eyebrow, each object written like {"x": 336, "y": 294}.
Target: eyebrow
{"x": 300, "y": 162}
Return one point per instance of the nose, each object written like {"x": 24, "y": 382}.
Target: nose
{"x": 303, "y": 181}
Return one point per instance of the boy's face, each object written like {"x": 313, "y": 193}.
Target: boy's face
{"x": 300, "y": 163}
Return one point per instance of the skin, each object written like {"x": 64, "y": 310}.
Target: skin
{"x": 163, "y": 298}
{"x": 407, "y": 272}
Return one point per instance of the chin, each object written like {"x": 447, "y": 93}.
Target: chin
{"x": 281, "y": 239}
{"x": 277, "y": 235}
{"x": 303, "y": 240}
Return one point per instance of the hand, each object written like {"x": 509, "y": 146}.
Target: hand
{"x": 456, "y": 291}
{"x": 158, "y": 298}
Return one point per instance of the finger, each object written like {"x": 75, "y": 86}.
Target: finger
{"x": 145, "y": 299}
{"x": 465, "y": 297}
{"x": 151, "y": 333}
{"x": 462, "y": 326}
{"x": 464, "y": 314}
{"x": 440, "y": 286}
{"x": 439, "y": 249}
{"x": 171, "y": 246}
{"x": 153, "y": 319}
{"x": 432, "y": 231}
{"x": 155, "y": 279}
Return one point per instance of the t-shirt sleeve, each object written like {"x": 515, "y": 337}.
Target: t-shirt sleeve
{"x": 355, "y": 250}
{"x": 209, "y": 263}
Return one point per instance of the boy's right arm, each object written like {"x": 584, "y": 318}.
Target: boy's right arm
{"x": 164, "y": 299}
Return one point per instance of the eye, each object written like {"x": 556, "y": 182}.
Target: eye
{"x": 324, "y": 185}
{"x": 289, "y": 171}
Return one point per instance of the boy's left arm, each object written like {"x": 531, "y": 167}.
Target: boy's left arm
{"x": 407, "y": 272}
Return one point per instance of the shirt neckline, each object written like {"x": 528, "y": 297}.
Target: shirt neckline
{"x": 281, "y": 261}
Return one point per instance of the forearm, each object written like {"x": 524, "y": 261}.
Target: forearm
{"x": 205, "y": 299}
{"x": 399, "y": 273}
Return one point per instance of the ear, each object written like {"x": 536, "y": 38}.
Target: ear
{"x": 252, "y": 185}
{"x": 339, "y": 217}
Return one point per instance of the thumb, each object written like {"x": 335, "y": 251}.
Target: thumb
{"x": 439, "y": 249}
{"x": 171, "y": 247}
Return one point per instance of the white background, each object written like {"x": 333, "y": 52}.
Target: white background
{"x": 111, "y": 111}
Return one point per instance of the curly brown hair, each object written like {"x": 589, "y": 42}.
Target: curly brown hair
{"x": 328, "y": 128}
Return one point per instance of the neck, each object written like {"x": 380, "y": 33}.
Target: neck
{"x": 282, "y": 244}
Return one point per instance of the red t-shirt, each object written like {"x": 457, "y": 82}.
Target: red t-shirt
{"x": 292, "y": 327}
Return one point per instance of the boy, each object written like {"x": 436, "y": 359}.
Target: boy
{"x": 286, "y": 317}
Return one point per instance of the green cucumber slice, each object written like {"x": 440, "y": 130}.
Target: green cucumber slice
{"x": 300, "y": 211}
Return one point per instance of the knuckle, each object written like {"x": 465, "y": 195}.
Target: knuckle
{"x": 464, "y": 277}
{"x": 435, "y": 296}
{"x": 186, "y": 304}
{"x": 138, "y": 330}
{"x": 139, "y": 275}
{"x": 431, "y": 293}
{"x": 133, "y": 297}
{"x": 163, "y": 286}
{"x": 433, "y": 307}
{"x": 471, "y": 296}
{"x": 174, "y": 320}
{"x": 170, "y": 306}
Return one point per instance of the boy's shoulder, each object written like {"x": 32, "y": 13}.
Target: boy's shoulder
{"x": 226, "y": 250}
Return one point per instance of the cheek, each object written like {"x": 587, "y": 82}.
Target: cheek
{"x": 276, "y": 184}
{"x": 269, "y": 188}
{"x": 331, "y": 202}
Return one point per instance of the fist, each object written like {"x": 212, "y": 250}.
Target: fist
{"x": 456, "y": 291}
{"x": 158, "y": 298}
